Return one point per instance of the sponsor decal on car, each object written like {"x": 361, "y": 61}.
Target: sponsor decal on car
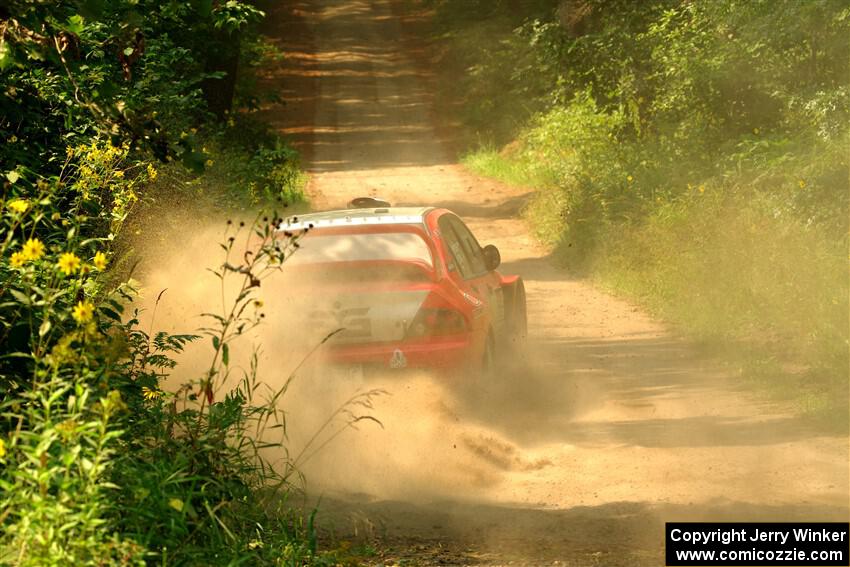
{"x": 398, "y": 360}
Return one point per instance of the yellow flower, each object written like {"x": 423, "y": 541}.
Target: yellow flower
{"x": 2, "y": 448}
{"x": 13, "y": 139}
{"x": 258, "y": 303}
{"x": 629, "y": 178}
{"x": 149, "y": 394}
{"x": 152, "y": 172}
{"x": 119, "y": 173}
{"x": 756, "y": 131}
{"x": 702, "y": 188}
{"x": 100, "y": 261}
{"x": 69, "y": 263}
{"x": 18, "y": 205}
{"x": 33, "y": 249}
{"x": 83, "y": 312}
{"x": 802, "y": 184}
{"x": 209, "y": 163}
{"x": 176, "y": 503}
{"x": 18, "y": 259}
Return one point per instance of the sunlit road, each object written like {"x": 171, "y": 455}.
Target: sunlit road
{"x": 613, "y": 427}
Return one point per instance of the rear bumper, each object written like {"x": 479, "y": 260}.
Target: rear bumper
{"x": 444, "y": 353}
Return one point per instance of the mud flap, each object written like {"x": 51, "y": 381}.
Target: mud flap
{"x": 516, "y": 317}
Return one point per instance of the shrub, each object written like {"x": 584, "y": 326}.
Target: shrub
{"x": 104, "y": 106}
{"x": 100, "y": 465}
{"x": 692, "y": 156}
{"x": 60, "y": 412}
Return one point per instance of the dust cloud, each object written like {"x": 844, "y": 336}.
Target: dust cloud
{"x": 611, "y": 424}
{"x": 403, "y": 435}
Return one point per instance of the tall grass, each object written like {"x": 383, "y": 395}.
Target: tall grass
{"x": 690, "y": 156}
{"x": 727, "y": 261}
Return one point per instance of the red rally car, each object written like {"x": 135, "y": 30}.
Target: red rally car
{"x": 406, "y": 287}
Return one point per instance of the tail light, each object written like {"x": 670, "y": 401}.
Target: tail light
{"x": 431, "y": 322}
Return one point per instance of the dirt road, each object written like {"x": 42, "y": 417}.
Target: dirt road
{"x": 615, "y": 426}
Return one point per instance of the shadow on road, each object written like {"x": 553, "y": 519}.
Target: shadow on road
{"x": 461, "y": 533}
{"x": 545, "y": 398}
{"x": 354, "y": 101}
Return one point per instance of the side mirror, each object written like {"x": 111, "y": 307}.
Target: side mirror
{"x": 492, "y": 258}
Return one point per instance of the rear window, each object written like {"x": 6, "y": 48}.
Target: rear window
{"x": 403, "y": 246}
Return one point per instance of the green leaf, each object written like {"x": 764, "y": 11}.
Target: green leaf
{"x": 225, "y": 354}
{"x": 75, "y": 24}
{"x": 215, "y": 342}
{"x": 44, "y": 328}
{"x": 21, "y": 297}
{"x": 110, "y": 313}
{"x": 6, "y": 57}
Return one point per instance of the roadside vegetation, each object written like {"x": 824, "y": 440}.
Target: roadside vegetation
{"x": 691, "y": 156}
{"x": 109, "y": 113}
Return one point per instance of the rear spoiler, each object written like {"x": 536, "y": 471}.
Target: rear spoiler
{"x": 367, "y": 203}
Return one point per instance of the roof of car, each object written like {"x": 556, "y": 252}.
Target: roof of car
{"x": 354, "y": 217}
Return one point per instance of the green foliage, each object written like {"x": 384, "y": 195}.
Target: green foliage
{"x": 691, "y": 155}
{"x": 247, "y": 166}
{"x": 480, "y": 59}
{"x": 193, "y": 482}
{"x": 55, "y": 484}
{"x": 59, "y": 423}
{"x": 233, "y": 15}
{"x": 100, "y": 466}
{"x": 278, "y": 173}
{"x": 136, "y": 72}
{"x": 104, "y": 106}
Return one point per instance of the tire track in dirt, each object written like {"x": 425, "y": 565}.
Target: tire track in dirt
{"x": 615, "y": 425}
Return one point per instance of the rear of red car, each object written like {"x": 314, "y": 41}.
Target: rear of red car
{"x": 381, "y": 288}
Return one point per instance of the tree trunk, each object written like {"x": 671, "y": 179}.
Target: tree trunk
{"x": 223, "y": 58}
